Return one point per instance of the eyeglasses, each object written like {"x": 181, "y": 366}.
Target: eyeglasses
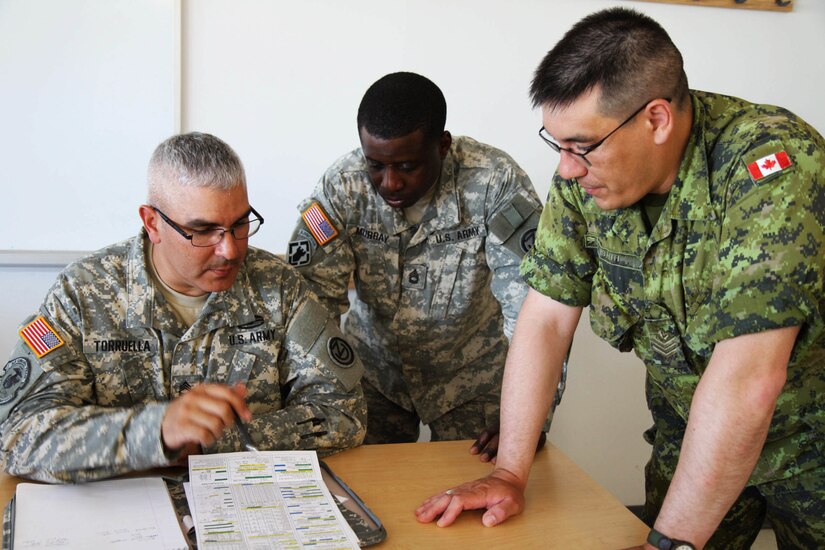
{"x": 211, "y": 237}
{"x": 584, "y": 151}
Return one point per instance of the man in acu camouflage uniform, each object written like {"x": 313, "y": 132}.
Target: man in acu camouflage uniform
{"x": 144, "y": 352}
{"x": 432, "y": 228}
{"x": 693, "y": 225}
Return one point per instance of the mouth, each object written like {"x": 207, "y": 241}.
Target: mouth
{"x": 394, "y": 202}
{"x": 589, "y": 189}
{"x": 223, "y": 270}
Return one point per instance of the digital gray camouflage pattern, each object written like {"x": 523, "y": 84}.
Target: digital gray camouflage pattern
{"x": 435, "y": 301}
{"x": 729, "y": 255}
{"x": 96, "y": 409}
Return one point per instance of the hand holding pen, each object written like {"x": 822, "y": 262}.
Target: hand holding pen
{"x": 202, "y": 413}
{"x": 246, "y": 439}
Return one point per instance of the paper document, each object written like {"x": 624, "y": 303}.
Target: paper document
{"x": 133, "y": 513}
{"x": 268, "y": 499}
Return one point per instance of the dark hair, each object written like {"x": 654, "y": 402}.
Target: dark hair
{"x": 625, "y": 54}
{"x": 400, "y": 103}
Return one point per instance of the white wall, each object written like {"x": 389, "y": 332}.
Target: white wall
{"x": 89, "y": 88}
{"x": 281, "y": 81}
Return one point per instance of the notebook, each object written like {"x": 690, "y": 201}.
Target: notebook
{"x": 123, "y": 514}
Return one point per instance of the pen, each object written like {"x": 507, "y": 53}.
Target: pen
{"x": 246, "y": 439}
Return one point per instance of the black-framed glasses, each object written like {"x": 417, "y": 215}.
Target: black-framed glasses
{"x": 211, "y": 237}
{"x": 584, "y": 151}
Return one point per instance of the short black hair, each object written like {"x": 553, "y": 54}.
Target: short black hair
{"x": 627, "y": 55}
{"x": 400, "y": 103}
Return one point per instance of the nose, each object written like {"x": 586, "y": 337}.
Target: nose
{"x": 392, "y": 182}
{"x": 228, "y": 247}
{"x": 571, "y": 166}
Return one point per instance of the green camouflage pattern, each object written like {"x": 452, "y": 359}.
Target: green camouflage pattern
{"x": 729, "y": 256}
{"x": 436, "y": 301}
{"x": 96, "y": 409}
{"x": 794, "y": 506}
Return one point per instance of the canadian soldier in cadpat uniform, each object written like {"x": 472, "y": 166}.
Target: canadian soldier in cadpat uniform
{"x": 693, "y": 226}
{"x": 144, "y": 352}
{"x": 432, "y": 229}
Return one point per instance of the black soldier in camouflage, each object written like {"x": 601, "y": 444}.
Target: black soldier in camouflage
{"x": 431, "y": 228}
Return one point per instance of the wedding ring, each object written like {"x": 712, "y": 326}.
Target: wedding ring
{"x": 449, "y": 491}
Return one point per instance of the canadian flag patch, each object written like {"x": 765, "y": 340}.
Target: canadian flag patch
{"x": 769, "y": 164}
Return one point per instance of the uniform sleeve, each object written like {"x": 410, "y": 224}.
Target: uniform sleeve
{"x": 559, "y": 265}
{"x": 319, "y": 372}
{"x": 771, "y": 261}
{"x": 53, "y": 429}
{"x": 319, "y": 248}
{"x": 512, "y": 228}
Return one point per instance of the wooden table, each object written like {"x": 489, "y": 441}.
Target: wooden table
{"x": 565, "y": 508}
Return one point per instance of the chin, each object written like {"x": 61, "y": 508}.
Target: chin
{"x": 611, "y": 203}
{"x": 219, "y": 285}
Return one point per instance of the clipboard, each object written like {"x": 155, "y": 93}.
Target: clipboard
{"x": 366, "y": 525}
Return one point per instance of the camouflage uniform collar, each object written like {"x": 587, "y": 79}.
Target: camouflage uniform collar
{"x": 444, "y": 211}
{"x": 690, "y": 194}
{"x": 140, "y": 301}
{"x": 146, "y": 306}
{"x": 231, "y": 307}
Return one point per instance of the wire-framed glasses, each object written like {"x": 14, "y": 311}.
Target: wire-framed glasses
{"x": 211, "y": 237}
{"x": 582, "y": 152}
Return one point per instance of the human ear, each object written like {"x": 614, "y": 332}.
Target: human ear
{"x": 445, "y": 142}
{"x": 150, "y": 220}
{"x": 660, "y": 118}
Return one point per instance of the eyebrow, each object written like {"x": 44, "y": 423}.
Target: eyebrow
{"x": 198, "y": 222}
{"x": 576, "y": 138}
{"x": 395, "y": 163}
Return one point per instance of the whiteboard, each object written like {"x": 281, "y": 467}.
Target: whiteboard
{"x": 89, "y": 88}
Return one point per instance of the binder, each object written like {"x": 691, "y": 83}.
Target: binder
{"x": 368, "y": 528}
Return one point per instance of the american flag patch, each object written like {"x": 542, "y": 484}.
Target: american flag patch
{"x": 318, "y": 224}
{"x": 40, "y": 337}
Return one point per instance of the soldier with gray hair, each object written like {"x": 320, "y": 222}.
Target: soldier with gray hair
{"x": 432, "y": 229}
{"x": 691, "y": 223}
{"x": 150, "y": 350}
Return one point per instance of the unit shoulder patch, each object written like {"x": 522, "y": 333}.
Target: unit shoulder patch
{"x": 14, "y": 377}
{"x": 527, "y": 239}
{"x": 299, "y": 253}
{"x": 340, "y": 352}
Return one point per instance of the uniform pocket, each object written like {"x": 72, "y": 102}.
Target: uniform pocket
{"x": 126, "y": 372}
{"x": 662, "y": 352}
{"x": 260, "y": 375}
{"x": 377, "y": 269}
{"x": 462, "y": 278}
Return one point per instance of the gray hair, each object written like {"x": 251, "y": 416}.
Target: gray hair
{"x": 193, "y": 160}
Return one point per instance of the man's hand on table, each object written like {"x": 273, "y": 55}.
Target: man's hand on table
{"x": 486, "y": 445}
{"x": 501, "y": 493}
